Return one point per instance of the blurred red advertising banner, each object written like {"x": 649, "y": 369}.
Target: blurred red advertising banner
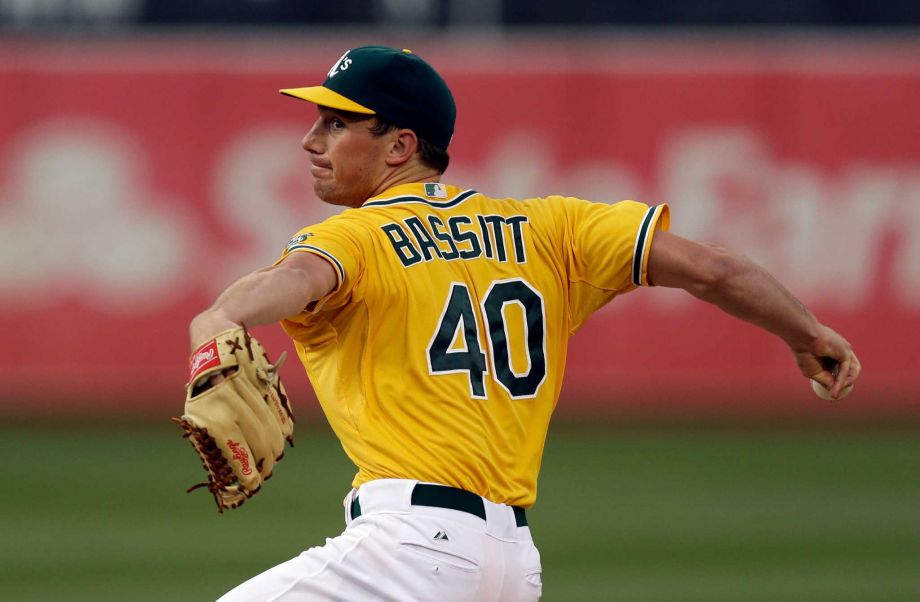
{"x": 139, "y": 179}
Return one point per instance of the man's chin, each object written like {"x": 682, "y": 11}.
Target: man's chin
{"x": 329, "y": 196}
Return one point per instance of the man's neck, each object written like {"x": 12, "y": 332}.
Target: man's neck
{"x": 412, "y": 174}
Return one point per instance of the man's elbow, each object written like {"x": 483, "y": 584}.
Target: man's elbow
{"x": 715, "y": 270}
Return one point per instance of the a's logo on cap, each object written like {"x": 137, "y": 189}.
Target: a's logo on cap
{"x": 342, "y": 64}
{"x": 435, "y": 191}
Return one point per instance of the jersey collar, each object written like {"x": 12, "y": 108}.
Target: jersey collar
{"x": 429, "y": 193}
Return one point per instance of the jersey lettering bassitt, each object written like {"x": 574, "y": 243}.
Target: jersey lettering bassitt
{"x": 440, "y": 354}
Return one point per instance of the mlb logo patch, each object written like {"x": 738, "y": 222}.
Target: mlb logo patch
{"x": 435, "y": 190}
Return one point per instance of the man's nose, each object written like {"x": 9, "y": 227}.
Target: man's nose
{"x": 310, "y": 141}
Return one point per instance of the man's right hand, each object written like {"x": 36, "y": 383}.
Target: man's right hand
{"x": 830, "y": 360}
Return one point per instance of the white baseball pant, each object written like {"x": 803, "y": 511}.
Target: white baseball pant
{"x": 394, "y": 550}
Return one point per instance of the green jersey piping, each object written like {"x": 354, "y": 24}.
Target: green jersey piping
{"x": 418, "y": 199}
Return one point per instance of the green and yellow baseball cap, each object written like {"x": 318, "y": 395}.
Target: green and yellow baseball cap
{"x": 395, "y": 84}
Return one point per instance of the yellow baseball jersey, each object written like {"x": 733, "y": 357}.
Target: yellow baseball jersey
{"x": 440, "y": 354}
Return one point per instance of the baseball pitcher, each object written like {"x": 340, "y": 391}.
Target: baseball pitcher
{"x": 433, "y": 323}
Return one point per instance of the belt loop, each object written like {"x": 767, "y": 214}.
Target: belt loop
{"x": 500, "y": 522}
{"x": 350, "y": 498}
{"x": 382, "y": 495}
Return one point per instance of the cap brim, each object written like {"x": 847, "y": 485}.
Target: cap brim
{"x": 327, "y": 98}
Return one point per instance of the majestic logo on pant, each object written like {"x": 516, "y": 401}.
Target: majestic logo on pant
{"x": 240, "y": 455}
{"x": 441, "y": 536}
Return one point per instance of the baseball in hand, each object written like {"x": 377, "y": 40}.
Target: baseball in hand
{"x": 825, "y": 393}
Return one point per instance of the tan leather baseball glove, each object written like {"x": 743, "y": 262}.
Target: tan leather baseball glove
{"x": 239, "y": 425}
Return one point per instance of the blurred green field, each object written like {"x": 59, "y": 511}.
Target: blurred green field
{"x": 633, "y": 514}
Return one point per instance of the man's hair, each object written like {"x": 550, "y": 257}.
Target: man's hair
{"x": 431, "y": 155}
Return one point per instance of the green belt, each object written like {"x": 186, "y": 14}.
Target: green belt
{"x": 438, "y": 496}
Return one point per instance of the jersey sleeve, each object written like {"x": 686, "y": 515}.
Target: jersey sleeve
{"x": 609, "y": 244}
{"x": 338, "y": 242}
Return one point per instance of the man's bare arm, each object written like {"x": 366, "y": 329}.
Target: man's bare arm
{"x": 266, "y": 296}
{"x": 745, "y": 290}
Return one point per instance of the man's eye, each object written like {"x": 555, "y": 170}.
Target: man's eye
{"x": 337, "y": 124}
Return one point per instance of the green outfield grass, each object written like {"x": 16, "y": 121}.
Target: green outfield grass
{"x": 632, "y": 514}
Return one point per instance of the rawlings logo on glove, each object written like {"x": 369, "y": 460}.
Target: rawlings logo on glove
{"x": 240, "y": 454}
{"x": 243, "y": 417}
{"x": 206, "y": 357}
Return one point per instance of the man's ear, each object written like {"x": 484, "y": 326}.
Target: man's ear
{"x": 402, "y": 148}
